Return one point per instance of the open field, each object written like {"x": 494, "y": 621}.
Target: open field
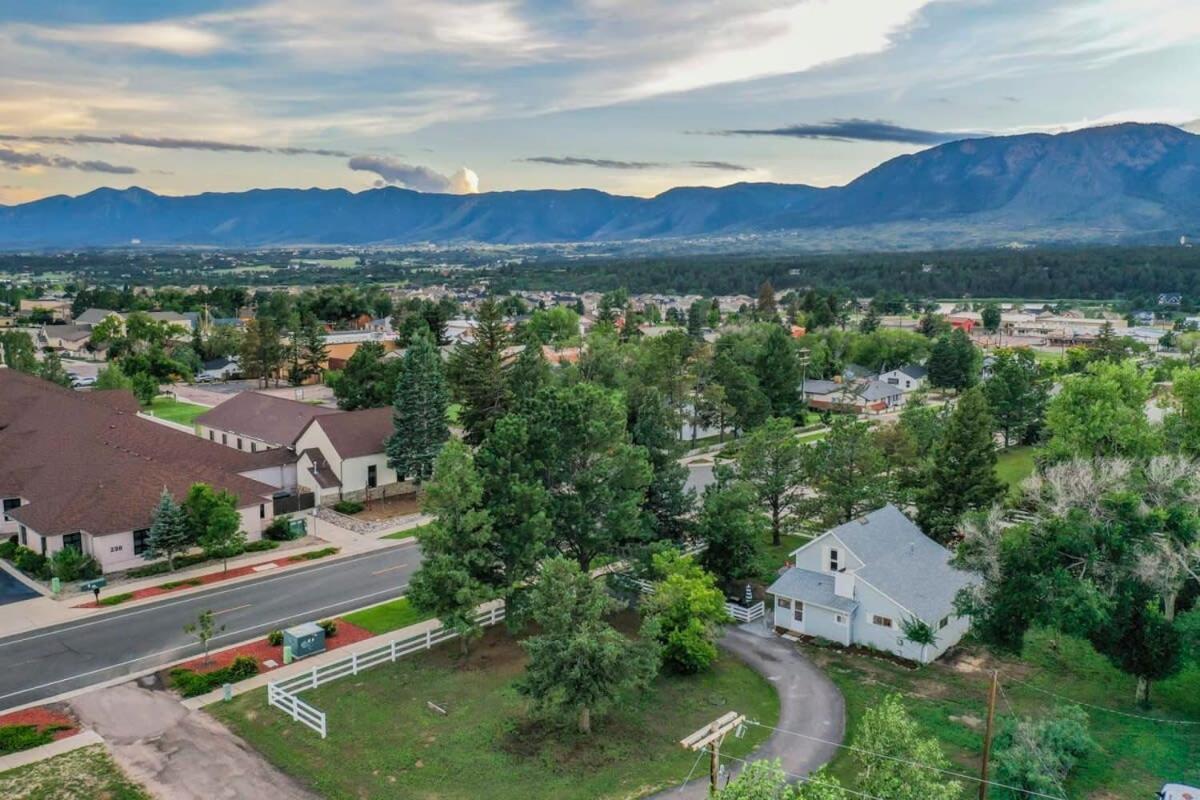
{"x": 1015, "y": 465}
{"x": 175, "y": 410}
{"x": 384, "y": 740}
{"x": 85, "y": 774}
{"x": 1134, "y": 756}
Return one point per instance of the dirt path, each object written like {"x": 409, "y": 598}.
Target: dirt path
{"x": 809, "y": 703}
{"x": 179, "y": 754}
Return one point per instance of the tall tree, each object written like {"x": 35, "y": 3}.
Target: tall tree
{"x": 954, "y": 362}
{"x": 778, "y": 371}
{"x": 696, "y": 320}
{"x": 766, "y": 780}
{"x": 168, "y": 531}
{"x": 846, "y": 471}
{"x": 262, "y": 353}
{"x": 458, "y": 548}
{"x": 990, "y": 317}
{"x": 223, "y": 536}
{"x": 1016, "y": 394}
{"x": 765, "y": 306}
{"x": 367, "y": 380}
{"x": 732, "y": 530}
{"x": 895, "y": 758}
{"x": 529, "y": 373}
{"x": 314, "y": 353}
{"x": 1101, "y": 413}
{"x": 772, "y": 461}
{"x": 419, "y": 412}
{"x": 962, "y": 473}
{"x": 653, "y": 425}
{"x": 477, "y": 373}
{"x": 579, "y": 665}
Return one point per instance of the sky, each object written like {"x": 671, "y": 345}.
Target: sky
{"x": 626, "y": 96}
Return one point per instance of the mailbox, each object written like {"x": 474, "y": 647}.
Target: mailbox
{"x": 305, "y": 640}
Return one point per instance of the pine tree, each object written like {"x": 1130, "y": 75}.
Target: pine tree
{"x": 529, "y": 373}
{"x": 314, "y": 353}
{"x": 479, "y": 376}
{"x": 168, "y": 531}
{"x": 654, "y": 425}
{"x": 962, "y": 474}
{"x": 696, "y": 320}
{"x": 419, "y": 412}
{"x": 765, "y": 306}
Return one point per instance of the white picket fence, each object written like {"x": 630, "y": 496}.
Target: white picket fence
{"x": 742, "y": 613}
{"x": 284, "y": 694}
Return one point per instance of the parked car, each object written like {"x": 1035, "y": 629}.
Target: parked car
{"x": 81, "y": 381}
{"x": 1177, "y": 791}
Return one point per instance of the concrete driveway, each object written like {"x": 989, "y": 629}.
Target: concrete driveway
{"x": 809, "y": 704}
{"x": 179, "y": 754}
{"x": 12, "y": 590}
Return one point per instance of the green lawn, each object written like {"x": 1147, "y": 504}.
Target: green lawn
{"x": 384, "y": 741}
{"x": 387, "y": 617}
{"x": 84, "y": 774}
{"x": 176, "y": 410}
{"x": 407, "y": 532}
{"x": 1015, "y": 465}
{"x": 1134, "y": 756}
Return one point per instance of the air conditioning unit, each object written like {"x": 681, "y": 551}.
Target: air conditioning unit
{"x": 304, "y": 640}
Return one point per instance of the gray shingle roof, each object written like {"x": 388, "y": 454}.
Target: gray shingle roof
{"x": 876, "y": 390}
{"x": 812, "y": 587}
{"x": 914, "y": 371}
{"x": 903, "y": 563}
{"x": 814, "y": 386}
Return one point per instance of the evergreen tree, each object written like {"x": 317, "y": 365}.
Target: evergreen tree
{"x": 168, "y": 531}
{"x": 1016, "y": 395}
{"x": 954, "y": 362}
{"x": 765, "y": 306}
{"x": 457, "y": 571}
{"x": 991, "y": 317}
{"x": 732, "y": 530}
{"x": 419, "y": 412}
{"x": 846, "y": 470}
{"x": 654, "y": 425}
{"x": 367, "y": 380}
{"x": 870, "y": 321}
{"x": 772, "y": 461}
{"x": 962, "y": 473}
{"x": 529, "y": 373}
{"x": 314, "y": 353}
{"x": 477, "y": 374}
{"x": 778, "y": 371}
{"x": 262, "y": 352}
{"x": 695, "y": 319}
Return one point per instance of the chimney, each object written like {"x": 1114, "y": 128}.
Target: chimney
{"x": 843, "y": 584}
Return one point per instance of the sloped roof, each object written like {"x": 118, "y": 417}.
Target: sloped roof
{"x": 94, "y": 316}
{"x": 88, "y": 462}
{"x": 808, "y": 586}
{"x": 903, "y": 563}
{"x": 358, "y": 433}
{"x": 873, "y": 390}
{"x": 914, "y": 371}
{"x": 275, "y": 420}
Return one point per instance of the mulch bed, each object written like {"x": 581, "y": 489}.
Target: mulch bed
{"x": 202, "y": 580}
{"x": 42, "y": 717}
{"x": 346, "y": 635}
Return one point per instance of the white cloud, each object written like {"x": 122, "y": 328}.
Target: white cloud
{"x": 180, "y": 39}
{"x": 393, "y": 171}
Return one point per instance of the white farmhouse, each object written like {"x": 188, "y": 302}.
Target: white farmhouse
{"x": 908, "y": 378}
{"x": 863, "y": 583}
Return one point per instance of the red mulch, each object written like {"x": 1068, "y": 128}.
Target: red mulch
{"x": 43, "y": 716}
{"x": 347, "y": 634}
{"x": 203, "y": 580}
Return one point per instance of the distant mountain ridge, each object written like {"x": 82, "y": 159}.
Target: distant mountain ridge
{"x": 1114, "y": 183}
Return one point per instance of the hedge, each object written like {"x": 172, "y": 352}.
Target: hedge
{"x": 192, "y": 684}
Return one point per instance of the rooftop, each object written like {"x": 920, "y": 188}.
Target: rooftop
{"x": 275, "y": 420}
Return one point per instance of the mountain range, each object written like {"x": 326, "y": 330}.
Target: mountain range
{"x": 1129, "y": 182}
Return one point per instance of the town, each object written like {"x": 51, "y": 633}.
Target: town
{"x": 850, "y": 519}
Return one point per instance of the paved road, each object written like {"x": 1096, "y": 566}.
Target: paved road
{"x": 809, "y": 704}
{"x": 51, "y": 661}
{"x": 12, "y": 590}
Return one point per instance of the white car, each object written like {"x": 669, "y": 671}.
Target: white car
{"x": 80, "y": 381}
{"x": 1177, "y": 791}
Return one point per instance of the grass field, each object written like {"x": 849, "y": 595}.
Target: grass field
{"x": 1134, "y": 756}
{"x": 176, "y": 410}
{"x": 384, "y": 741}
{"x": 85, "y": 774}
{"x": 387, "y": 617}
{"x": 1015, "y": 465}
{"x": 407, "y": 532}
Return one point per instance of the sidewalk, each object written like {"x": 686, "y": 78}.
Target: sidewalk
{"x": 41, "y": 612}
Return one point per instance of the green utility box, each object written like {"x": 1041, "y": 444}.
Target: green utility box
{"x": 305, "y": 640}
{"x": 93, "y": 585}
{"x": 297, "y": 528}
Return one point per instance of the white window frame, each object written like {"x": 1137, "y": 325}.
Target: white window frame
{"x": 882, "y": 621}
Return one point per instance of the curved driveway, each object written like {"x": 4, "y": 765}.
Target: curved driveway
{"x": 809, "y": 703}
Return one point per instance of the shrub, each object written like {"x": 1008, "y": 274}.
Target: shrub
{"x": 261, "y": 545}
{"x": 279, "y": 530}
{"x": 69, "y": 564}
{"x": 8, "y": 549}
{"x": 191, "y": 683}
{"x": 32, "y": 563}
{"x": 329, "y": 626}
{"x": 15, "y": 738}
{"x": 313, "y": 555}
{"x": 347, "y": 506}
{"x": 176, "y": 584}
{"x": 275, "y": 638}
{"x": 116, "y": 599}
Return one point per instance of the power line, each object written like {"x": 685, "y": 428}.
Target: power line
{"x": 809, "y": 779}
{"x": 1028, "y": 740}
{"x": 1103, "y": 708}
{"x": 910, "y": 763}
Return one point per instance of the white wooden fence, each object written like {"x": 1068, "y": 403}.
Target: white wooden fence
{"x": 742, "y": 613}
{"x": 284, "y": 694}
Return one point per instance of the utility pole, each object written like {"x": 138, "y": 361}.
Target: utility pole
{"x": 987, "y": 736}
{"x": 711, "y": 736}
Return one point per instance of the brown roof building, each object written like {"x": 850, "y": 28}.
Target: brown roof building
{"x": 86, "y": 470}
{"x": 258, "y": 421}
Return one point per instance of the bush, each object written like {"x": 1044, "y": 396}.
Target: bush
{"x": 15, "y": 738}
{"x": 275, "y": 638}
{"x": 32, "y": 563}
{"x": 192, "y": 684}
{"x": 347, "y": 506}
{"x": 69, "y": 564}
{"x": 8, "y": 549}
{"x": 279, "y": 530}
{"x": 116, "y": 599}
{"x": 313, "y": 555}
{"x": 261, "y": 545}
{"x": 329, "y": 626}
{"x": 176, "y": 584}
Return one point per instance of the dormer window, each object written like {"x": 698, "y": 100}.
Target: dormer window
{"x": 835, "y": 560}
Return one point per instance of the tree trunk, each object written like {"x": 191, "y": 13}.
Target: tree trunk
{"x": 776, "y": 540}
{"x": 1142, "y": 694}
{"x": 585, "y": 720}
{"x": 1169, "y": 605}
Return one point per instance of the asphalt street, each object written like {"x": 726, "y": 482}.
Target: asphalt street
{"x": 50, "y": 661}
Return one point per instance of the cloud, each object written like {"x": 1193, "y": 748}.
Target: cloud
{"x": 14, "y": 159}
{"x": 172, "y": 143}
{"x": 414, "y": 176}
{"x": 850, "y": 130}
{"x": 178, "y": 39}
{"x": 609, "y": 163}
{"x": 602, "y": 163}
